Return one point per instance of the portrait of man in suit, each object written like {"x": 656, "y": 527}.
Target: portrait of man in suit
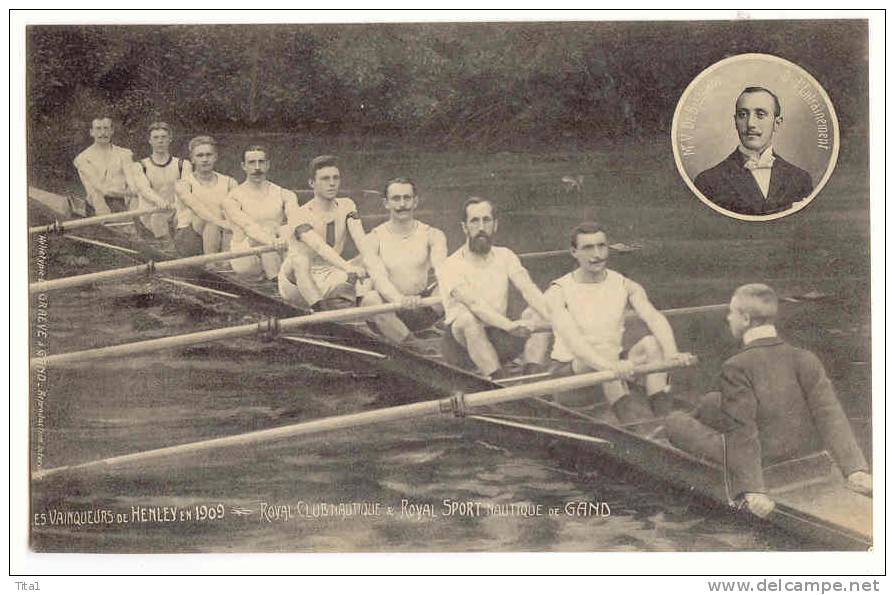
{"x": 754, "y": 179}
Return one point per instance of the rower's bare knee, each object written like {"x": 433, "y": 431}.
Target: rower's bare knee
{"x": 467, "y": 326}
{"x": 300, "y": 262}
{"x": 646, "y": 350}
{"x": 531, "y": 315}
{"x": 371, "y": 298}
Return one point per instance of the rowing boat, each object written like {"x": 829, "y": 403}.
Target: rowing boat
{"x": 811, "y": 499}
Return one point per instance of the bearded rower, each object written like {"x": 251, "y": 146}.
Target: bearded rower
{"x": 314, "y": 274}
{"x": 474, "y": 283}
{"x": 200, "y": 201}
{"x": 587, "y": 308}
{"x": 400, "y": 255}
{"x": 256, "y": 209}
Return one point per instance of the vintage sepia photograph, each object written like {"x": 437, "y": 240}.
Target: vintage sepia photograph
{"x": 409, "y": 287}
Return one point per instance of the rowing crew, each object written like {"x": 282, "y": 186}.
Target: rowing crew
{"x": 777, "y": 399}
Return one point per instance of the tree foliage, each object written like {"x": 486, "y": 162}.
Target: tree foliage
{"x": 485, "y": 84}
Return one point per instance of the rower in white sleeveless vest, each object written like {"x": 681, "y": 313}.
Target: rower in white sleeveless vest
{"x": 200, "y": 219}
{"x": 255, "y": 210}
{"x": 474, "y": 283}
{"x": 314, "y": 274}
{"x": 587, "y": 310}
{"x": 106, "y": 171}
{"x": 400, "y": 255}
{"x": 156, "y": 177}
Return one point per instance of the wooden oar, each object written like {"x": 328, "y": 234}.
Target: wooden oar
{"x": 146, "y": 268}
{"x": 63, "y": 226}
{"x": 167, "y": 265}
{"x": 457, "y": 404}
{"x": 271, "y": 326}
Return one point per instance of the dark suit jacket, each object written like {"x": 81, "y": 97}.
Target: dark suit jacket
{"x": 787, "y": 407}
{"x": 731, "y": 186}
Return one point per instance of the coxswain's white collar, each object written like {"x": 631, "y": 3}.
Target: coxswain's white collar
{"x": 764, "y": 331}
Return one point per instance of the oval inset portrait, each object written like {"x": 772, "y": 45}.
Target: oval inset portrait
{"x": 755, "y": 137}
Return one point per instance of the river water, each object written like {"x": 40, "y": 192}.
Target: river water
{"x": 391, "y": 487}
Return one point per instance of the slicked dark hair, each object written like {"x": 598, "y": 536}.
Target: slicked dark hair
{"x": 474, "y": 200}
{"x": 399, "y": 180}
{"x": 320, "y": 162}
{"x": 583, "y": 228}
{"x": 777, "y": 109}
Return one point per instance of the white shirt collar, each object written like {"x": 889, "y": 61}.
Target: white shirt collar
{"x": 754, "y": 155}
{"x": 765, "y": 331}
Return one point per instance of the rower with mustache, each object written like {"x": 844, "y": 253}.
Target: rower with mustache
{"x": 107, "y": 172}
{"x": 587, "y": 310}
{"x": 474, "y": 284}
{"x": 400, "y": 255}
{"x": 255, "y": 210}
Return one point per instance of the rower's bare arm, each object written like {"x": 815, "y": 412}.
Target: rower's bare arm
{"x": 240, "y": 219}
{"x": 184, "y": 192}
{"x": 356, "y": 230}
{"x": 313, "y": 241}
{"x": 92, "y": 184}
{"x": 565, "y": 328}
{"x": 530, "y": 292}
{"x": 378, "y": 272}
{"x": 655, "y": 320}
{"x": 465, "y": 294}
{"x": 136, "y": 179}
{"x": 437, "y": 247}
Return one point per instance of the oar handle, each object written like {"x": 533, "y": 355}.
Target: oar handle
{"x": 149, "y": 267}
{"x": 566, "y": 383}
{"x": 276, "y": 325}
{"x": 63, "y": 226}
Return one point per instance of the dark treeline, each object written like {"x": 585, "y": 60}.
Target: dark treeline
{"x": 482, "y": 84}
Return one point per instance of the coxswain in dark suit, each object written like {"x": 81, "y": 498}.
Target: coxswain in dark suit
{"x": 778, "y": 402}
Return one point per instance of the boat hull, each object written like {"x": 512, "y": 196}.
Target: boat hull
{"x": 816, "y": 507}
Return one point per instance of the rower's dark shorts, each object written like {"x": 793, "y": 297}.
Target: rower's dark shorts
{"x": 187, "y": 242}
{"x": 419, "y": 318}
{"x": 116, "y": 204}
{"x": 507, "y": 346}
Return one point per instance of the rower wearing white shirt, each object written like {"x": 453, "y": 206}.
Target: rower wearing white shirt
{"x": 255, "y": 210}
{"x": 474, "y": 283}
{"x": 106, "y": 171}
{"x": 400, "y": 255}
{"x": 161, "y": 171}
{"x": 314, "y": 274}
{"x": 587, "y": 309}
{"x": 200, "y": 219}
